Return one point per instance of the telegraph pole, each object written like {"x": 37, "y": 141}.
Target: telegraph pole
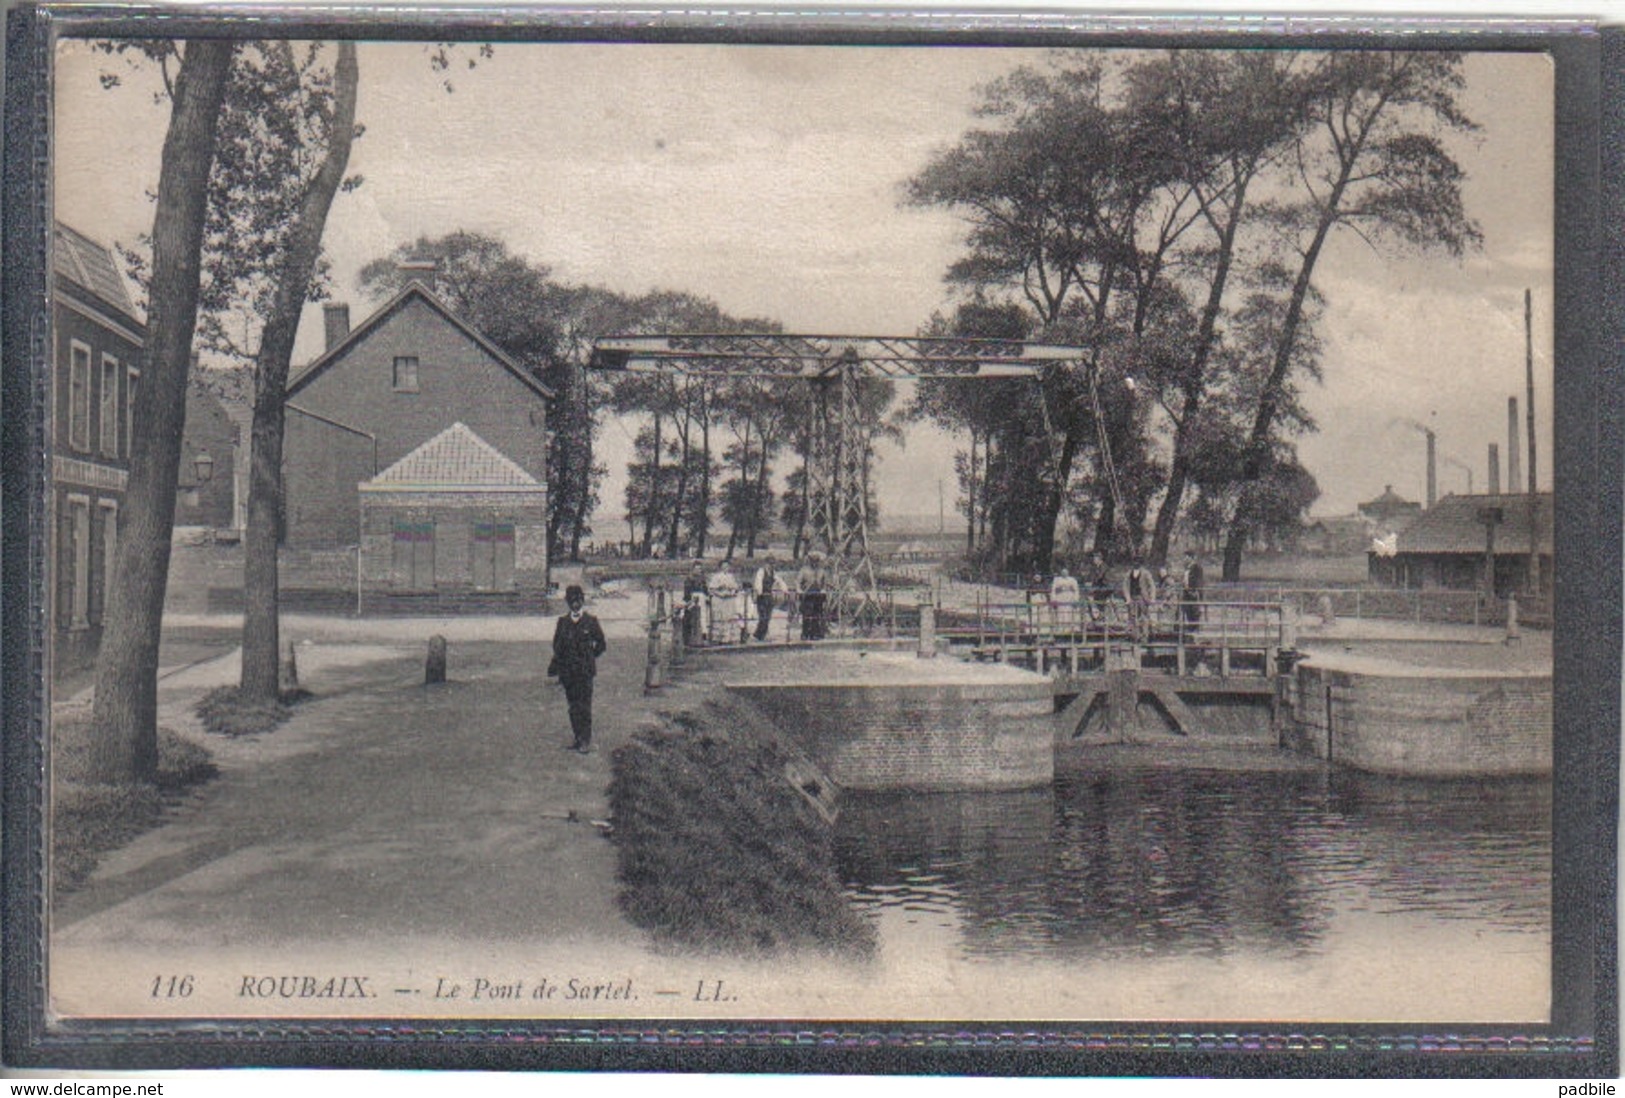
{"x": 1529, "y": 412}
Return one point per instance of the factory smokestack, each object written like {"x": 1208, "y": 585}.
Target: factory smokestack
{"x": 1495, "y": 470}
{"x": 1514, "y": 467}
{"x": 1433, "y": 471}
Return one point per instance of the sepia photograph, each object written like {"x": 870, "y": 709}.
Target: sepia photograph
{"x": 656, "y": 533}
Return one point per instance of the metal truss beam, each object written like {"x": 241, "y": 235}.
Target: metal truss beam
{"x": 839, "y": 458}
{"x": 772, "y": 355}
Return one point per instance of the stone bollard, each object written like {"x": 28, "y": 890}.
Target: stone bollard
{"x": 434, "y": 670}
{"x": 290, "y": 670}
{"x": 928, "y": 632}
{"x": 1512, "y": 636}
{"x": 653, "y": 677}
{"x": 679, "y": 626}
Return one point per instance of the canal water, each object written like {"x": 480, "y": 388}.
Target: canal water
{"x": 1173, "y": 892}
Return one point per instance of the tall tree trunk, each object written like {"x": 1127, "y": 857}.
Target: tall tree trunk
{"x": 1119, "y": 431}
{"x": 561, "y": 471}
{"x": 1195, "y": 382}
{"x": 1106, "y": 527}
{"x": 124, "y": 746}
{"x": 985, "y": 502}
{"x": 261, "y": 595}
{"x": 759, "y": 501}
{"x": 1258, "y": 441}
{"x": 702, "y": 520}
{"x": 970, "y": 497}
{"x": 654, "y": 494}
{"x": 1053, "y": 502}
{"x": 581, "y": 475}
{"x": 674, "y": 534}
{"x": 800, "y": 545}
{"x": 578, "y": 524}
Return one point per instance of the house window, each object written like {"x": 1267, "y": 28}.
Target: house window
{"x": 406, "y": 374}
{"x": 104, "y": 588}
{"x": 492, "y": 556}
{"x": 75, "y": 587}
{"x": 79, "y": 396}
{"x": 129, "y": 410}
{"x": 414, "y": 555}
{"x": 107, "y": 422}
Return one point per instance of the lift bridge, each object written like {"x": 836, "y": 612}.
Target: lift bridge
{"x": 836, "y": 368}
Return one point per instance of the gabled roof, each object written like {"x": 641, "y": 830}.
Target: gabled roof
{"x": 419, "y": 291}
{"x": 1454, "y": 525}
{"x": 89, "y": 264}
{"x": 458, "y": 458}
{"x": 1389, "y": 498}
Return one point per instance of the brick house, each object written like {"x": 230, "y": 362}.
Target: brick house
{"x": 384, "y": 390}
{"x": 96, "y": 366}
{"x": 212, "y": 489}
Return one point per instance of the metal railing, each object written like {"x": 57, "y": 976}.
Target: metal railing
{"x": 1416, "y": 605}
{"x": 1222, "y": 639}
{"x": 1436, "y": 605}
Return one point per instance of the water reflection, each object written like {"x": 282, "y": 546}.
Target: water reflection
{"x": 1171, "y": 862}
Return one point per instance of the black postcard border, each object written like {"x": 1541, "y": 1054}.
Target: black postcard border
{"x": 1589, "y": 445}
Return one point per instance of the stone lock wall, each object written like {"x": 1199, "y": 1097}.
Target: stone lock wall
{"x": 920, "y": 737}
{"x": 1433, "y": 725}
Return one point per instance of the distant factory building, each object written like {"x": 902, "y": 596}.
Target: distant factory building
{"x": 1447, "y": 545}
{"x": 1390, "y": 511}
{"x": 1337, "y": 535}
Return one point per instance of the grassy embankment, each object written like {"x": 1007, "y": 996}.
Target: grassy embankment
{"x": 717, "y": 852}
{"x": 90, "y": 819}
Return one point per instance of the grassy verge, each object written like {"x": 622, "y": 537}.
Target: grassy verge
{"x": 224, "y": 712}
{"x": 717, "y": 852}
{"x": 88, "y": 819}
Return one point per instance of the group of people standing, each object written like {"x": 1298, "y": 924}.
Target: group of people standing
{"x": 1145, "y": 593}
{"x": 728, "y": 607}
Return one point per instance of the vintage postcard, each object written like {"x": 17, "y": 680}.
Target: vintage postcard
{"x": 630, "y": 532}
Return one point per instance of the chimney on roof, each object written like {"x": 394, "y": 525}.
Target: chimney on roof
{"x": 1514, "y": 466}
{"x": 1495, "y": 470}
{"x": 417, "y": 270}
{"x": 336, "y": 322}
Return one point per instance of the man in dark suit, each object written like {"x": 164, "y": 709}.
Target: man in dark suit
{"x": 1191, "y": 600}
{"x": 578, "y": 641}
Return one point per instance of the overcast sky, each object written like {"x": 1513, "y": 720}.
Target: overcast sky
{"x": 769, "y": 179}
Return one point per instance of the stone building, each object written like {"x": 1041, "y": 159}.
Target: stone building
{"x": 454, "y": 526}
{"x": 96, "y": 367}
